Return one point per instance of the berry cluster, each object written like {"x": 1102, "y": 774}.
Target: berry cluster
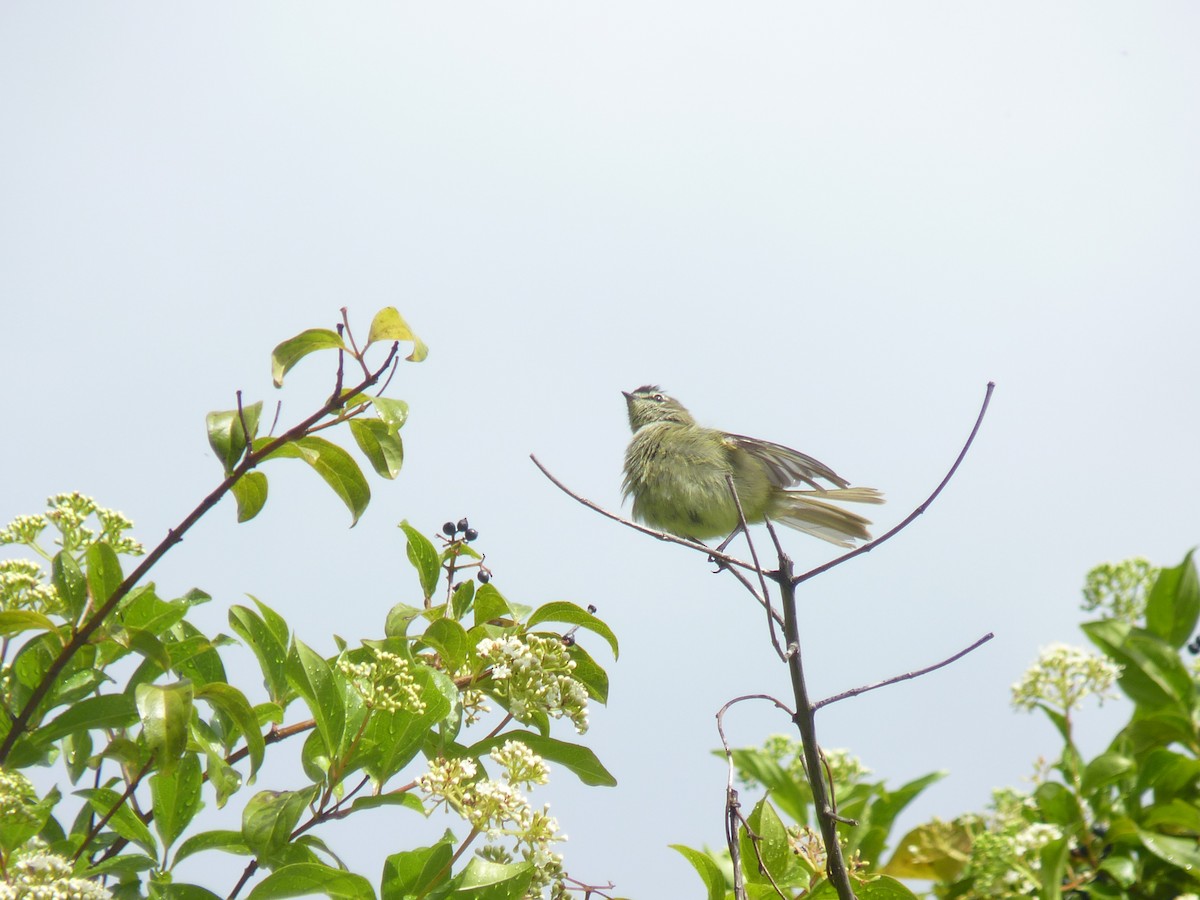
{"x": 468, "y": 533}
{"x": 461, "y": 532}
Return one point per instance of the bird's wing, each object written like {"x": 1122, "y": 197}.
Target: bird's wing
{"x": 787, "y": 467}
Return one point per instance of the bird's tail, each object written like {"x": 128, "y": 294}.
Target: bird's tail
{"x": 812, "y": 512}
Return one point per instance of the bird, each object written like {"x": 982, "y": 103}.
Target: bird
{"x": 676, "y": 470}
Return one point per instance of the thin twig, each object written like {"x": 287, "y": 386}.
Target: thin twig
{"x": 895, "y": 679}
{"x": 871, "y": 545}
{"x": 733, "y": 815}
{"x": 762, "y": 581}
{"x": 659, "y": 535}
{"x": 104, "y": 820}
{"x": 174, "y": 536}
{"x": 350, "y": 337}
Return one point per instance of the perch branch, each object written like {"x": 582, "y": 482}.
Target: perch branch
{"x": 895, "y": 679}
{"x": 871, "y": 545}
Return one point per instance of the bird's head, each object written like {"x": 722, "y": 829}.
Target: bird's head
{"x": 648, "y": 404}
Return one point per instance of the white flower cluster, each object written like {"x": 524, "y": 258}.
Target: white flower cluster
{"x": 534, "y": 675}
{"x": 1062, "y": 676}
{"x": 498, "y": 809}
{"x": 45, "y": 876}
{"x": 22, "y": 587}
{"x": 68, "y": 513}
{"x": 386, "y": 684}
{"x": 23, "y": 530}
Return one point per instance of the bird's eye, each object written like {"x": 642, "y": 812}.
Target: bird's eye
{"x": 658, "y": 398}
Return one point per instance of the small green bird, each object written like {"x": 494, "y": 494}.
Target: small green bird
{"x": 675, "y": 471}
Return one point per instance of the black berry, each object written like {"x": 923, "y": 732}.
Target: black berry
{"x": 470, "y": 535}
{"x": 484, "y": 577}
{"x": 462, "y": 525}
{"x": 448, "y": 529}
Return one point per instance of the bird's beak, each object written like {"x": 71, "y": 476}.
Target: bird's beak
{"x": 628, "y": 396}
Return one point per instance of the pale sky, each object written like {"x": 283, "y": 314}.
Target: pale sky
{"x": 827, "y": 225}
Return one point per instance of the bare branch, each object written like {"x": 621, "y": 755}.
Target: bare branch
{"x": 762, "y": 580}
{"x": 733, "y": 813}
{"x": 660, "y": 535}
{"x": 854, "y": 692}
{"x": 871, "y": 545}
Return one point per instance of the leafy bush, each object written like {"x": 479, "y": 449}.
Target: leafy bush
{"x": 118, "y": 690}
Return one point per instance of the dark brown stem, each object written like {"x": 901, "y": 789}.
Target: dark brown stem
{"x": 871, "y": 545}
{"x": 174, "y": 536}
{"x": 835, "y": 865}
{"x": 251, "y": 868}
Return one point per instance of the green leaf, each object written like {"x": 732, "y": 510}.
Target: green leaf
{"x": 127, "y": 865}
{"x": 424, "y": 558}
{"x": 70, "y": 583}
{"x": 176, "y": 798}
{"x": 227, "y": 437}
{"x": 571, "y": 614}
{"x": 269, "y": 819}
{"x": 879, "y": 820}
{"x": 333, "y": 464}
{"x": 268, "y": 646}
{"x": 223, "y": 840}
{"x": 1058, "y": 805}
{"x": 399, "y": 618}
{"x": 175, "y": 890}
{"x": 103, "y": 571}
{"x": 291, "y": 351}
{"x": 1178, "y": 851}
{"x": 393, "y": 413}
{"x": 108, "y": 711}
{"x": 484, "y": 880}
{"x": 14, "y": 621}
{"x": 884, "y": 888}
{"x": 1175, "y": 816}
{"x": 575, "y": 757}
{"x": 234, "y": 704}
{"x": 124, "y": 820}
{"x": 1174, "y": 603}
{"x": 312, "y": 677}
{"x": 303, "y": 879}
{"x": 1167, "y": 773}
{"x": 490, "y": 605}
{"x": 415, "y": 873}
{"x": 1105, "y": 769}
{"x": 374, "y": 801}
{"x": 389, "y": 325}
{"x": 710, "y": 873}
{"x": 449, "y": 639}
{"x": 773, "y": 850}
{"x": 589, "y": 673}
{"x": 145, "y": 644}
{"x": 144, "y": 610}
{"x": 1151, "y": 674}
{"x": 165, "y": 711}
{"x": 461, "y": 599}
{"x": 250, "y": 492}
{"x": 381, "y": 446}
